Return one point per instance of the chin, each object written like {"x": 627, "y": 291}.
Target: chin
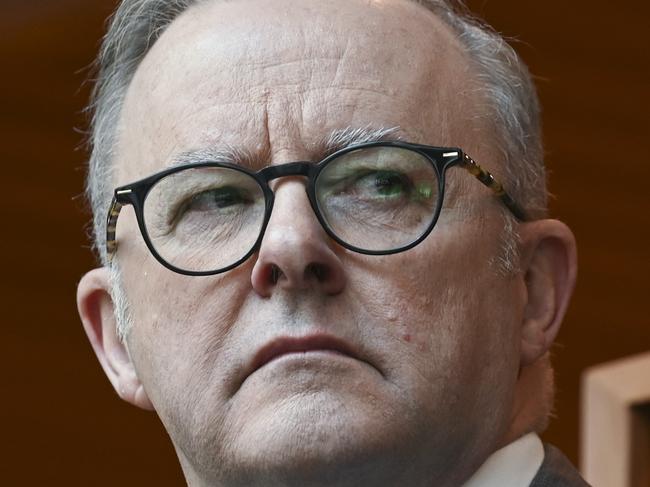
{"x": 309, "y": 440}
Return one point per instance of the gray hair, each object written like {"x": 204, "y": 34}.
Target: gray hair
{"x": 503, "y": 79}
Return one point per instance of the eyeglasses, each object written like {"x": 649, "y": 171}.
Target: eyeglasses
{"x": 375, "y": 198}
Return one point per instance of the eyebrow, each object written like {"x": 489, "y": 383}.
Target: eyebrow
{"x": 225, "y": 153}
{"x": 337, "y": 140}
{"x": 349, "y": 136}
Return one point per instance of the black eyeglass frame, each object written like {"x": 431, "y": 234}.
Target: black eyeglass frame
{"x": 441, "y": 158}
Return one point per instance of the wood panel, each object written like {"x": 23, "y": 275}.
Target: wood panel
{"x": 591, "y": 63}
{"x": 640, "y": 461}
{"x": 615, "y": 449}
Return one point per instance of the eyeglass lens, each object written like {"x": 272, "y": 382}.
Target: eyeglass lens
{"x": 375, "y": 198}
{"x": 378, "y": 198}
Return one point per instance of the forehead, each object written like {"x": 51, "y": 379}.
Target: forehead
{"x": 277, "y": 76}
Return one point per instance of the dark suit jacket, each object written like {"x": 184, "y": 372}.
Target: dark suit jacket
{"x": 557, "y": 471}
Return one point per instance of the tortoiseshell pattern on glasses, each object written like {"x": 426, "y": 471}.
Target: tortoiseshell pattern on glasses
{"x": 441, "y": 158}
{"x": 111, "y": 227}
{"x": 488, "y": 180}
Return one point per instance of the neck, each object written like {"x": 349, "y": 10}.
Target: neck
{"x": 533, "y": 400}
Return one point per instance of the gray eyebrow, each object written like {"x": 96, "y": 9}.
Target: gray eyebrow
{"x": 338, "y": 139}
{"x": 349, "y": 136}
{"x": 224, "y": 153}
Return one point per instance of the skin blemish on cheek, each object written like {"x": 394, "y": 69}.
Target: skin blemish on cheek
{"x": 417, "y": 339}
{"x": 420, "y": 345}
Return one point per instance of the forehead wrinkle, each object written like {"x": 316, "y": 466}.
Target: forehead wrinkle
{"x": 299, "y": 48}
{"x": 336, "y": 140}
{"x": 420, "y": 113}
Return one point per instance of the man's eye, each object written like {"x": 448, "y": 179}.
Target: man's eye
{"x": 386, "y": 184}
{"x": 216, "y": 199}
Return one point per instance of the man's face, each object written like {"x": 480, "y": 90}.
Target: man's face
{"x": 431, "y": 332}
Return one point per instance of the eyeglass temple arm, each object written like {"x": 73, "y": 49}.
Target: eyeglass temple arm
{"x": 488, "y": 180}
{"x": 111, "y": 225}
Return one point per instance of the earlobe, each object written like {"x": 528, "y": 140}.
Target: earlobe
{"x": 549, "y": 267}
{"x": 96, "y": 311}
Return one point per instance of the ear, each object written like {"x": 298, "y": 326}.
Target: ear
{"x": 549, "y": 267}
{"x": 96, "y": 310}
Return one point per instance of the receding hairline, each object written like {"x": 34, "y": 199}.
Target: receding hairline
{"x": 454, "y": 56}
{"x": 433, "y": 30}
{"x": 416, "y": 9}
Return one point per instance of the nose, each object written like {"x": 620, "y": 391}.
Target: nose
{"x": 296, "y": 253}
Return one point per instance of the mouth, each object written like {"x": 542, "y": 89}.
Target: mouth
{"x": 283, "y": 346}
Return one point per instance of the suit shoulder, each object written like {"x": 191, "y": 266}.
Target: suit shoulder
{"x": 557, "y": 471}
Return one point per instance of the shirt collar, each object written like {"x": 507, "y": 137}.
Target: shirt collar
{"x": 514, "y": 465}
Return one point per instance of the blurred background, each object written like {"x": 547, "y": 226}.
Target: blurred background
{"x": 65, "y": 425}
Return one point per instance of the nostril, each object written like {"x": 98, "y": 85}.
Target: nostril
{"x": 275, "y": 274}
{"x": 319, "y": 271}
{"x": 296, "y": 257}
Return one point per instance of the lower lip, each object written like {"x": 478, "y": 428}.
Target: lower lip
{"x": 329, "y": 362}
{"x": 308, "y": 355}
{"x": 308, "y": 358}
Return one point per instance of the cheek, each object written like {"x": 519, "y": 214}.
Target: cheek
{"x": 447, "y": 308}
{"x": 182, "y": 328}
{"x": 447, "y": 350}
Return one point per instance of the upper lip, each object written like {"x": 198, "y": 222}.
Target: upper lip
{"x": 286, "y": 344}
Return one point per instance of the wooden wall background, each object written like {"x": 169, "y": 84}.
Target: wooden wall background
{"x": 63, "y": 425}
